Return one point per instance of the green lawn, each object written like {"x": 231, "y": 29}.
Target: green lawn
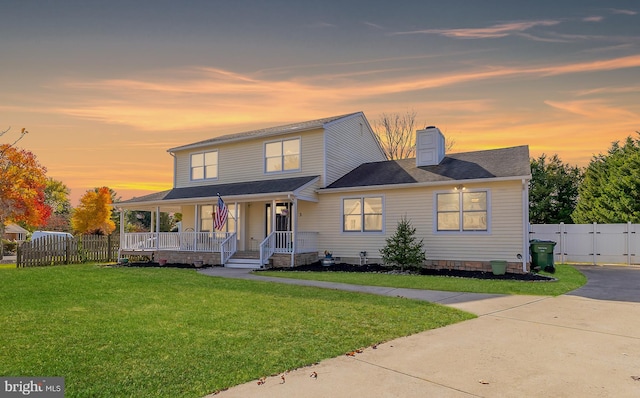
{"x": 150, "y": 332}
{"x": 568, "y": 279}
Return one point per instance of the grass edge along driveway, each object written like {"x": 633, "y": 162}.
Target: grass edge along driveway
{"x": 149, "y": 332}
{"x": 568, "y": 279}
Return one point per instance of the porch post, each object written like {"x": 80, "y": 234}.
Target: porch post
{"x": 273, "y": 215}
{"x": 121, "y": 231}
{"x": 197, "y": 226}
{"x": 294, "y": 229}
{"x": 157, "y": 227}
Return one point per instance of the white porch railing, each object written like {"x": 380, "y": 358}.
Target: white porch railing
{"x": 228, "y": 248}
{"x": 282, "y": 242}
{"x": 267, "y": 248}
{"x": 307, "y": 242}
{"x": 183, "y": 241}
{"x": 219, "y": 242}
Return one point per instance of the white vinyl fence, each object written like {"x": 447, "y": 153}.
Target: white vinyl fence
{"x": 591, "y": 243}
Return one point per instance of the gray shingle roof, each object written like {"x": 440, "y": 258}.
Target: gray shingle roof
{"x": 239, "y": 188}
{"x": 494, "y": 163}
{"x": 266, "y": 132}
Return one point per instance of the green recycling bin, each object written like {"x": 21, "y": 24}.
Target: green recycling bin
{"x": 542, "y": 255}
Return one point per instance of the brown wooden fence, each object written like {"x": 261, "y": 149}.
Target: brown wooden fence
{"x": 55, "y": 250}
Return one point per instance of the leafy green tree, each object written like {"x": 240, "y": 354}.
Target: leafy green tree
{"x": 56, "y": 195}
{"x": 610, "y": 192}
{"x": 403, "y": 248}
{"x": 140, "y": 221}
{"x": 553, "y": 190}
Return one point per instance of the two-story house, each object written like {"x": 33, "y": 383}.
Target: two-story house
{"x": 293, "y": 192}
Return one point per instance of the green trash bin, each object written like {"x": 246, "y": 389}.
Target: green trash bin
{"x": 542, "y": 255}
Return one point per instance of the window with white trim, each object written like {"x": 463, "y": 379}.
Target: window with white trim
{"x": 462, "y": 211}
{"x": 204, "y": 165}
{"x": 206, "y": 218}
{"x": 363, "y": 214}
{"x": 283, "y": 155}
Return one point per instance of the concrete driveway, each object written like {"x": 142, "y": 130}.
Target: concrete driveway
{"x": 583, "y": 344}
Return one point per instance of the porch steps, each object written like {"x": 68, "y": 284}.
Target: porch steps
{"x": 244, "y": 259}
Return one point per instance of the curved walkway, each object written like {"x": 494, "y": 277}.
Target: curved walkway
{"x": 519, "y": 346}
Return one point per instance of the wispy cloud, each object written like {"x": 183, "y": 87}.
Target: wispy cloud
{"x": 322, "y": 25}
{"x": 594, "y": 109}
{"x": 494, "y": 31}
{"x": 542, "y": 39}
{"x": 609, "y": 90}
{"x": 593, "y": 19}
{"x": 204, "y": 97}
{"x": 622, "y": 11}
{"x": 373, "y": 25}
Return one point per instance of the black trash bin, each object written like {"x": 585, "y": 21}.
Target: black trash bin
{"x": 542, "y": 255}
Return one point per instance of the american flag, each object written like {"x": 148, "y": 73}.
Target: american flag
{"x": 220, "y": 217}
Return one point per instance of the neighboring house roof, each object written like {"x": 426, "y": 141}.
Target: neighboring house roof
{"x": 14, "y": 229}
{"x": 491, "y": 164}
{"x": 266, "y": 132}
{"x": 225, "y": 190}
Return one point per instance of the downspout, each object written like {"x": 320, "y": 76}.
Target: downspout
{"x": 525, "y": 224}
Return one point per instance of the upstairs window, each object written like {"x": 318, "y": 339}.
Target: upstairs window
{"x": 362, "y": 214}
{"x": 282, "y": 155}
{"x": 462, "y": 211}
{"x": 204, "y": 165}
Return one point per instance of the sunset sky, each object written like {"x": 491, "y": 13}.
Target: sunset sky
{"x": 106, "y": 87}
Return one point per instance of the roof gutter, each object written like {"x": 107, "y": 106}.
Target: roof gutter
{"x": 204, "y": 199}
{"x": 421, "y": 184}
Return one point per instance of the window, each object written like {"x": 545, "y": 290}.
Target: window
{"x": 282, "y": 155}
{"x": 462, "y": 211}
{"x": 204, "y": 165}
{"x": 206, "y": 218}
{"x": 362, "y": 214}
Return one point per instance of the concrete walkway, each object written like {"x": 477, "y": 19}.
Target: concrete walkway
{"x": 519, "y": 346}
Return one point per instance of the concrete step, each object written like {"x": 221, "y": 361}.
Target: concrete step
{"x": 251, "y": 263}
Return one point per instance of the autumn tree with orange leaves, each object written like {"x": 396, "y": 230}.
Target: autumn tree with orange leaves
{"x": 23, "y": 181}
{"x": 93, "y": 215}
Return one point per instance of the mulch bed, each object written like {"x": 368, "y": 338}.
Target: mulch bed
{"x": 318, "y": 267}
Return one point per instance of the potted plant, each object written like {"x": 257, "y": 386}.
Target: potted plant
{"x": 498, "y": 267}
{"x": 328, "y": 259}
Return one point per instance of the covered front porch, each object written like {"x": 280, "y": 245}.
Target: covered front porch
{"x": 221, "y": 248}
{"x": 261, "y": 229}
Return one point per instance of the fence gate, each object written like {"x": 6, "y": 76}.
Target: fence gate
{"x": 591, "y": 243}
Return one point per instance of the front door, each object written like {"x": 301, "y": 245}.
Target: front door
{"x": 282, "y": 224}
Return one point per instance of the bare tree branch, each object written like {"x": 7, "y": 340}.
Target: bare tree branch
{"x": 396, "y": 133}
{"x": 22, "y": 134}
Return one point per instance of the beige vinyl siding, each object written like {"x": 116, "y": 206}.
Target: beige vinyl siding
{"x": 255, "y": 224}
{"x": 309, "y": 192}
{"x": 244, "y": 160}
{"x": 188, "y": 218}
{"x": 350, "y": 142}
{"x": 503, "y": 242}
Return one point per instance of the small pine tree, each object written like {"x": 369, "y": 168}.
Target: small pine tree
{"x": 403, "y": 249}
